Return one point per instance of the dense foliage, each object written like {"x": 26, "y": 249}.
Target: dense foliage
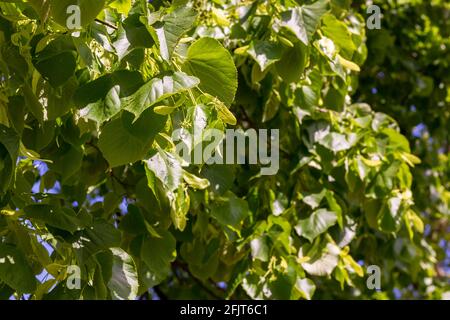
{"x": 90, "y": 120}
{"x": 407, "y": 75}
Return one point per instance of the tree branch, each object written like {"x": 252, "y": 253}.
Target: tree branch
{"x": 197, "y": 281}
{"x": 106, "y": 24}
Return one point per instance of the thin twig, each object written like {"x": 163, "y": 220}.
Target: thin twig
{"x": 197, "y": 281}
{"x": 247, "y": 118}
{"x": 106, "y": 24}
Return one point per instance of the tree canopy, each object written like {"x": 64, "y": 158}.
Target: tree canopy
{"x": 96, "y": 95}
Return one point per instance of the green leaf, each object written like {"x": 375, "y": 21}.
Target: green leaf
{"x": 324, "y": 263}
{"x": 397, "y": 141}
{"x": 123, "y": 141}
{"x": 391, "y": 215}
{"x": 59, "y": 68}
{"x": 335, "y": 207}
{"x": 230, "y": 210}
{"x": 194, "y": 181}
{"x": 303, "y": 21}
{"x": 253, "y": 286}
{"x": 157, "y": 254}
{"x": 306, "y": 287}
{"x": 103, "y": 110}
{"x": 335, "y": 142}
{"x": 348, "y": 64}
{"x": 202, "y": 257}
{"x": 15, "y": 270}
{"x": 260, "y": 249}
{"x": 33, "y": 104}
{"x": 101, "y": 98}
{"x": 123, "y": 284}
{"x": 179, "y": 208}
{"x": 265, "y": 53}
{"x": 279, "y": 287}
{"x": 136, "y": 32}
{"x": 314, "y": 200}
{"x": 237, "y": 276}
{"x": 312, "y": 14}
{"x": 93, "y": 91}
{"x": 210, "y": 62}
{"x": 40, "y": 6}
{"x": 292, "y": 63}
{"x": 272, "y": 106}
{"x": 9, "y": 151}
{"x": 98, "y": 237}
{"x": 411, "y": 159}
{"x": 338, "y": 32}
{"x": 156, "y": 90}
{"x": 89, "y": 9}
{"x": 172, "y": 27}
{"x": 317, "y": 223}
{"x": 167, "y": 169}
{"x": 61, "y": 218}
{"x": 164, "y": 110}
{"x": 222, "y": 111}
{"x": 133, "y": 222}
{"x": 122, "y": 6}
{"x": 292, "y": 20}
{"x": 57, "y": 62}
{"x": 221, "y": 178}
{"x": 67, "y": 161}
{"x": 152, "y": 183}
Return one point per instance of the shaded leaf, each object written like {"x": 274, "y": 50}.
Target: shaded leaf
{"x": 15, "y": 270}
{"x": 124, "y": 283}
{"x": 123, "y": 141}
{"x": 156, "y": 90}
{"x": 316, "y": 224}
